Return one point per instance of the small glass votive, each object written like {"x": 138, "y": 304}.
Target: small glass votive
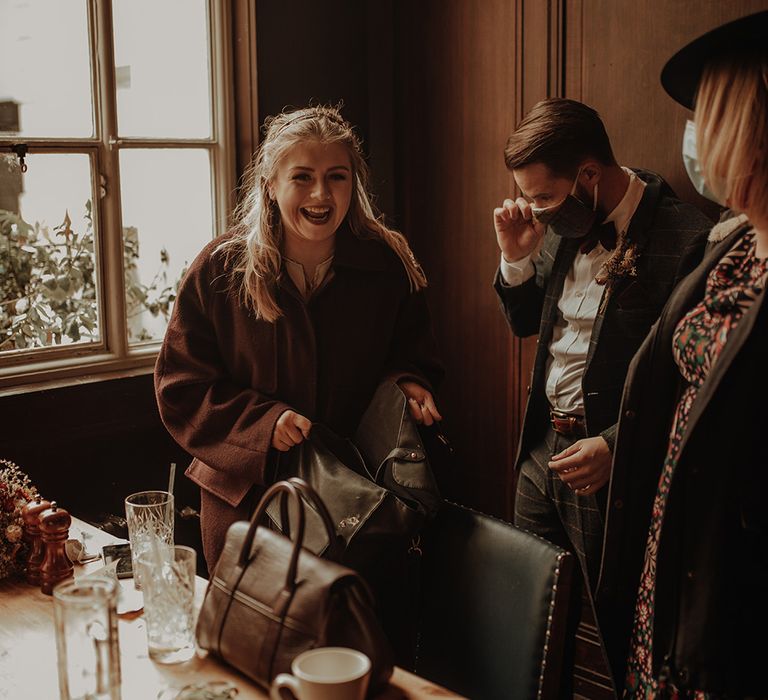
{"x": 149, "y": 515}
{"x": 168, "y": 585}
{"x": 85, "y": 615}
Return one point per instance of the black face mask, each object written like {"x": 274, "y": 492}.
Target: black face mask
{"x": 571, "y": 218}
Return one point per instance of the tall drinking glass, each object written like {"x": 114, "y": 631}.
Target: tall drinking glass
{"x": 168, "y": 585}
{"x": 150, "y": 524}
{"x": 85, "y": 614}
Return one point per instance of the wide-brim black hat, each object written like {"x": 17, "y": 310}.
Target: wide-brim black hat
{"x": 681, "y": 74}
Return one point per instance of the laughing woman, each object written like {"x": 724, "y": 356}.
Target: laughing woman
{"x": 294, "y": 316}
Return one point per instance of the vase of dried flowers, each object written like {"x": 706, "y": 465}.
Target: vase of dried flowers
{"x": 15, "y": 492}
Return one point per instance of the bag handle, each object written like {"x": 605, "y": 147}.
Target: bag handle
{"x": 290, "y": 491}
{"x": 298, "y": 490}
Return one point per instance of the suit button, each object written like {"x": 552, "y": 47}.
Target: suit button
{"x": 629, "y": 413}
{"x": 618, "y": 504}
{"x": 682, "y": 674}
{"x": 690, "y": 575}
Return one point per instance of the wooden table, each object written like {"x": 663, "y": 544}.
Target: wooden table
{"x": 28, "y": 647}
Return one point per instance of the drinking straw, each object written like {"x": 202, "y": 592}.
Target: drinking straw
{"x": 171, "y": 477}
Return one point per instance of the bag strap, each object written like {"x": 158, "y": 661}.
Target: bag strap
{"x": 281, "y": 487}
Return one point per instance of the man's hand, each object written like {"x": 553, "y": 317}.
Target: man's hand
{"x": 291, "y": 429}
{"x": 516, "y": 231}
{"x": 420, "y": 403}
{"x": 585, "y": 466}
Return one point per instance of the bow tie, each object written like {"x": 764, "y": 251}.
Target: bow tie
{"x": 604, "y": 233}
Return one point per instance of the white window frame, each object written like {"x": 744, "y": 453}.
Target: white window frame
{"x": 113, "y": 355}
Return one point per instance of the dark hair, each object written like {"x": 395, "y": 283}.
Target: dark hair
{"x": 559, "y": 133}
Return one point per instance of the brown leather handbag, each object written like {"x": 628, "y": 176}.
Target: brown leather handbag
{"x": 269, "y": 599}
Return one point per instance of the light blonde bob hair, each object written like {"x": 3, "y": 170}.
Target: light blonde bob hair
{"x": 732, "y": 130}
{"x": 253, "y": 252}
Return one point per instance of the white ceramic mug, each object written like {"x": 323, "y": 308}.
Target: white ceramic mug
{"x": 327, "y": 673}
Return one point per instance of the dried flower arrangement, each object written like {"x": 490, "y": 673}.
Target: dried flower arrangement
{"x": 621, "y": 263}
{"x": 15, "y": 492}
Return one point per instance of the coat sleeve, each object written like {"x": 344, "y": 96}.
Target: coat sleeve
{"x": 413, "y": 352}
{"x": 225, "y": 425}
{"x": 522, "y": 304}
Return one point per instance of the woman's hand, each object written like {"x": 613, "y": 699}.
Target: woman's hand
{"x": 420, "y": 403}
{"x": 291, "y": 429}
{"x": 517, "y": 232}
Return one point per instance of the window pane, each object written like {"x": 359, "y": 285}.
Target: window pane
{"x": 45, "y": 71}
{"x": 48, "y": 292}
{"x": 161, "y": 68}
{"x": 167, "y": 219}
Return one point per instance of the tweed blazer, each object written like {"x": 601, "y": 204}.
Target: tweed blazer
{"x": 670, "y": 236}
{"x": 712, "y": 563}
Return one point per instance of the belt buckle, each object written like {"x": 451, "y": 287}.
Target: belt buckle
{"x": 562, "y": 423}
{"x": 554, "y": 417}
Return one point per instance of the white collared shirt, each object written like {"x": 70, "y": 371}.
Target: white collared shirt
{"x": 307, "y": 287}
{"x": 577, "y": 307}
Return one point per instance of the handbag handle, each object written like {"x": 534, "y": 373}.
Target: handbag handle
{"x": 290, "y": 490}
{"x": 298, "y": 490}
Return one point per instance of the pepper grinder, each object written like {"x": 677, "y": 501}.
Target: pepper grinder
{"x": 56, "y": 566}
{"x": 30, "y": 514}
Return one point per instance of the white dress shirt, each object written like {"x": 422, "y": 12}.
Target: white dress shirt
{"x": 577, "y": 307}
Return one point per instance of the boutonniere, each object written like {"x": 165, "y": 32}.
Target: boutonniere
{"x": 620, "y": 264}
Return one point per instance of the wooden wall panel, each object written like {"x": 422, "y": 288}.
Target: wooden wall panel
{"x": 456, "y": 76}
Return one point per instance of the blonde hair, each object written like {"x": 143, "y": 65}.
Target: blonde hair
{"x": 253, "y": 253}
{"x": 732, "y": 130}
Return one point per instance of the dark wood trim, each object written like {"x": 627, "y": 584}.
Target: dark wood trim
{"x": 246, "y": 94}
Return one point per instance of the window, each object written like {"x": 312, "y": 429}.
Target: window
{"x": 115, "y": 170}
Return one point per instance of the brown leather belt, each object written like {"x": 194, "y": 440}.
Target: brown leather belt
{"x": 567, "y": 425}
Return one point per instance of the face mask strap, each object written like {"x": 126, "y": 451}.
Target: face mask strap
{"x": 594, "y": 197}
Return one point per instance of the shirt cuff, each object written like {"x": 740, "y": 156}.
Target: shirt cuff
{"x": 515, "y": 273}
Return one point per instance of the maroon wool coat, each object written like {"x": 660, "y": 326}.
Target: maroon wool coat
{"x": 223, "y": 378}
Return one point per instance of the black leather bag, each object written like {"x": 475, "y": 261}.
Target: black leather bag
{"x": 379, "y": 487}
{"x": 269, "y": 599}
{"x": 380, "y": 492}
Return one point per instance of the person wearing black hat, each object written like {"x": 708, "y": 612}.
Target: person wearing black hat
{"x": 682, "y": 595}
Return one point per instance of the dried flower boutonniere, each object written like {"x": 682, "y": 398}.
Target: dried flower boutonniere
{"x": 620, "y": 264}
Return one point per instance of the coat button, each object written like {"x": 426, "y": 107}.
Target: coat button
{"x": 682, "y": 674}
{"x": 690, "y": 575}
{"x": 629, "y": 413}
{"x": 618, "y": 504}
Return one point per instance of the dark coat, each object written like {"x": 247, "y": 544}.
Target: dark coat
{"x": 223, "y": 378}
{"x": 670, "y": 237}
{"x": 712, "y": 567}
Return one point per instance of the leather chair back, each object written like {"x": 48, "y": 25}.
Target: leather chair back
{"x": 494, "y": 602}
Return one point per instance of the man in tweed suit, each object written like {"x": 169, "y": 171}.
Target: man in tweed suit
{"x": 612, "y": 244}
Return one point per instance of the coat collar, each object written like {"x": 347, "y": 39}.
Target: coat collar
{"x": 642, "y": 219}
{"x": 738, "y": 336}
{"x": 358, "y": 253}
